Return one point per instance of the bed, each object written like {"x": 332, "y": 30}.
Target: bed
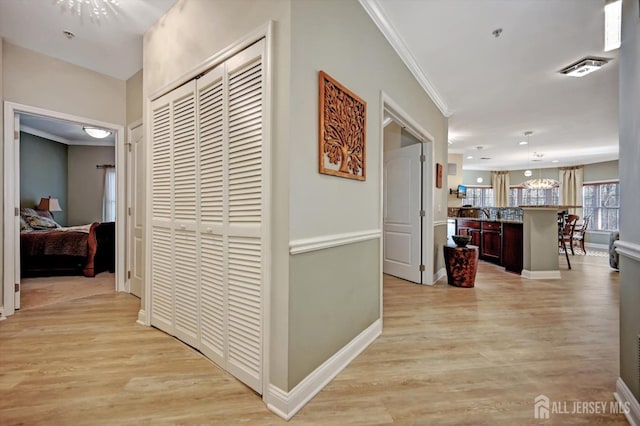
{"x": 48, "y": 249}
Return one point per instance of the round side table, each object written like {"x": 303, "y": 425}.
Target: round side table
{"x": 461, "y": 264}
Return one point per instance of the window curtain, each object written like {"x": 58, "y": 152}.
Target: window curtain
{"x": 500, "y": 184}
{"x": 571, "y": 180}
{"x": 109, "y": 195}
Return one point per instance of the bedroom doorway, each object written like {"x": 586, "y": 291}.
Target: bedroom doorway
{"x": 82, "y": 169}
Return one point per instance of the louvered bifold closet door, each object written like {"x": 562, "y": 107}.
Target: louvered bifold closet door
{"x": 174, "y": 277}
{"x": 245, "y": 77}
{"x": 211, "y": 118}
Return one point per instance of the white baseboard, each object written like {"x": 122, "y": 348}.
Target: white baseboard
{"x": 541, "y": 275}
{"x": 142, "y": 317}
{"x": 287, "y": 404}
{"x": 597, "y": 246}
{"x": 625, "y": 398}
{"x": 442, "y": 272}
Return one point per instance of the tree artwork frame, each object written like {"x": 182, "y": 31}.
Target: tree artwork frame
{"x": 343, "y": 130}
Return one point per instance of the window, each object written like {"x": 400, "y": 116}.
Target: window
{"x": 519, "y": 196}
{"x": 109, "y": 196}
{"x": 479, "y": 196}
{"x": 601, "y": 201}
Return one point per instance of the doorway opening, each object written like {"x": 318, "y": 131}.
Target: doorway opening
{"x": 407, "y": 197}
{"x": 49, "y": 156}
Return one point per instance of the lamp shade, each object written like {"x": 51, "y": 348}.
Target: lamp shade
{"x": 49, "y": 204}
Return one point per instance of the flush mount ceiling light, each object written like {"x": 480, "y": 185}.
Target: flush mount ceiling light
{"x": 96, "y": 132}
{"x": 584, "y": 67}
{"x": 612, "y": 24}
{"x": 95, "y": 10}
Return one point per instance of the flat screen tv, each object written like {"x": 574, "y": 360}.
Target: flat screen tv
{"x": 462, "y": 191}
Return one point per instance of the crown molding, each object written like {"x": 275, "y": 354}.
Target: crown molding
{"x": 374, "y": 10}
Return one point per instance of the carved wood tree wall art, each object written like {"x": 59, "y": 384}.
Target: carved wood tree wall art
{"x": 343, "y": 122}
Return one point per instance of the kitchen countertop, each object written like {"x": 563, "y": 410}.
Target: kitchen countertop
{"x": 487, "y": 220}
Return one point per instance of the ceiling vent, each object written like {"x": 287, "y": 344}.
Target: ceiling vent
{"x": 584, "y": 66}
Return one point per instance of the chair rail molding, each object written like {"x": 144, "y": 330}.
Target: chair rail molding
{"x": 628, "y": 249}
{"x": 306, "y": 245}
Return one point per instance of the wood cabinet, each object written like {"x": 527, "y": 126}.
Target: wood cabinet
{"x": 470, "y": 227}
{"x": 499, "y": 242}
{"x": 491, "y": 246}
{"x": 512, "y": 247}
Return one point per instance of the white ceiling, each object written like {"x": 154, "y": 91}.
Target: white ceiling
{"x": 111, "y": 46}
{"x": 66, "y": 132}
{"x": 494, "y": 89}
{"x": 497, "y": 88}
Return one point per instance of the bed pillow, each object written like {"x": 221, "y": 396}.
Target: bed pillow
{"x": 33, "y": 212}
{"x": 24, "y": 225}
{"x": 39, "y": 222}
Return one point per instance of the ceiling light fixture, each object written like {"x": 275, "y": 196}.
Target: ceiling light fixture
{"x": 538, "y": 183}
{"x": 96, "y": 132}
{"x": 93, "y": 9}
{"x": 527, "y": 173}
{"x": 523, "y": 142}
{"x": 479, "y": 180}
{"x": 584, "y": 67}
{"x": 555, "y": 161}
{"x": 469, "y": 157}
{"x": 612, "y": 24}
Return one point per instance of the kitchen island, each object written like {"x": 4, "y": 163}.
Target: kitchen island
{"x": 528, "y": 246}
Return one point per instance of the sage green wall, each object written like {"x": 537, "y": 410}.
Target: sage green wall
{"x": 191, "y": 32}
{"x": 607, "y": 170}
{"x": 629, "y": 200}
{"x": 349, "y": 52}
{"x": 439, "y": 241}
{"x": 38, "y": 80}
{"x": 134, "y": 97}
{"x": 1, "y": 164}
{"x": 453, "y": 181}
{"x": 43, "y": 173}
{"x": 338, "y": 37}
{"x": 470, "y": 178}
{"x": 86, "y": 182}
{"x": 540, "y": 240}
{"x": 392, "y": 136}
{"x": 344, "y": 284}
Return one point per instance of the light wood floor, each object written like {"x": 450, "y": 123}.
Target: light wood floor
{"x": 43, "y": 291}
{"x": 447, "y": 356}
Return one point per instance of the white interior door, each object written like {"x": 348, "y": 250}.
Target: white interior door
{"x": 16, "y": 203}
{"x": 402, "y": 220}
{"x": 135, "y": 212}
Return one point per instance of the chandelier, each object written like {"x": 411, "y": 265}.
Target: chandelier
{"x": 539, "y": 182}
{"x": 94, "y": 9}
